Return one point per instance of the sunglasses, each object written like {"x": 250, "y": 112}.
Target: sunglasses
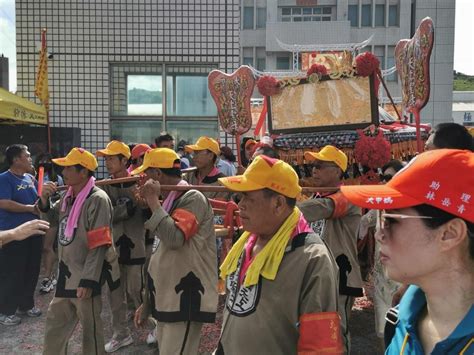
{"x": 319, "y": 166}
{"x": 385, "y": 220}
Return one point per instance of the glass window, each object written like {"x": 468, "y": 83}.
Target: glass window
{"x": 379, "y": 15}
{"x": 188, "y": 95}
{"x": 393, "y": 15}
{"x": 261, "y": 64}
{"x": 326, "y": 18}
{"x": 307, "y": 11}
{"x": 366, "y": 15}
{"x": 286, "y": 11}
{"x": 247, "y": 61}
{"x": 353, "y": 15}
{"x": 297, "y": 19}
{"x": 391, "y": 63}
{"x": 316, "y": 10}
{"x": 133, "y": 131}
{"x": 190, "y": 131}
{"x": 248, "y": 17}
{"x": 317, "y": 18}
{"x": 261, "y": 17}
{"x": 296, "y": 10}
{"x": 286, "y": 19}
{"x": 327, "y": 10}
{"x": 307, "y": 18}
{"x": 283, "y": 63}
{"x": 144, "y": 95}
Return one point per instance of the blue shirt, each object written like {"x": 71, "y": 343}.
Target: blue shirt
{"x": 460, "y": 341}
{"x": 226, "y": 168}
{"x": 18, "y": 189}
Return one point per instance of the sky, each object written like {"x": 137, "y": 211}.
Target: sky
{"x": 463, "y": 42}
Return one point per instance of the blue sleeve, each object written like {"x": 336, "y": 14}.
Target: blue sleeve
{"x": 5, "y": 188}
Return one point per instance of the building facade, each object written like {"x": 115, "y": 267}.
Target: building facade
{"x": 4, "y": 79}
{"x": 129, "y": 69}
{"x": 264, "y": 22}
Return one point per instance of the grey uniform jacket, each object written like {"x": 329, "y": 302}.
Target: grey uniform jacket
{"x": 182, "y": 275}
{"x": 336, "y": 221}
{"x": 82, "y": 261}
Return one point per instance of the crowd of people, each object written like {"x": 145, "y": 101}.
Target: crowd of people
{"x": 292, "y": 270}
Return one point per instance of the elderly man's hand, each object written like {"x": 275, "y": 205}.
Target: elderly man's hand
{"x": 34, "y": 227}
{"x": 84, "y": 292}
{"x": 151, "y": 192}
{"x": 49, "y": 189}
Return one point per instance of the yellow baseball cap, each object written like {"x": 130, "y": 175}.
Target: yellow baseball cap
{"x": 205, "y": 143}
{"x": 78, "y": 156}
{"x": 329, "y": 153}
{"x": 265, "y": 173}
{"x": 115, "y": 148}
{"x": 162, "y": 158}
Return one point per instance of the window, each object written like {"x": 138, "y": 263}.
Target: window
{"x": 188, "y": 95}
{"x": 135, "y": 130}
{"x": 247, "y": 61}
{"x": 190, "y": 131}
{"x": 261, "y": 62}
{"x": 366, "y": 15}
{"x": 379, "y": 52}
{"x": 248, "y": 17}
{"x": 306, "y": 14}
{"x": 261, "y": 17}
{"x": 283, "y": 63}
{"x": 247, "y": 56}
{"x": 380, "y": 15}
{"x": 353, "y": 15}
{"x": 144, "y": 95}
{"x": 393, "y": 15}
{"x": 391, "y": 63}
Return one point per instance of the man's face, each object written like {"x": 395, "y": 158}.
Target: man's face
{"x": 167, "y": 144}
{"x": 202, "y": 158}
{"x": 115, "y": 164}
{"x": 257, "y": 212}
{"x": 73, "y": 177}
{"x": 325, "y": 173}
{"x": 24, "y": 162}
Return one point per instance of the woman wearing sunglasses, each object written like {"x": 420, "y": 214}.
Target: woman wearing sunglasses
{"x": 427, "y": 241}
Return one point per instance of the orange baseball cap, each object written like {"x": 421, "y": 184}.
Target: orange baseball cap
{"x": 78, "y": 156}
{"x": 329, "y": 153}
{"x": 442, "y": 178}
{"x": 266, "y": 173}
{"x": 205, "y": 143}
{"x": 115, "y": 148}
{"x": 250, "y": 142}
{"x": 139, "y": 150}
{"x": 163, "y": 158}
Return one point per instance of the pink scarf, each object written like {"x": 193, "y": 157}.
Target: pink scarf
{"x": 172, "y": 196}
{"x": 76, "y": 207}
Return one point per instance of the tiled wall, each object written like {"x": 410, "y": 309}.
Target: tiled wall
{"x": 90, "y": 39}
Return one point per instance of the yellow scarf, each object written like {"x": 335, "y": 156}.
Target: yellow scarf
{"x": 267, "y": 262}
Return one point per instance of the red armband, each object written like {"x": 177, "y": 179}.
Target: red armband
{"x": 186, "y": 222}
{"x": 320, "y": 333}
{"x": 99, "y": 237}
{"x": 341, "y": 205}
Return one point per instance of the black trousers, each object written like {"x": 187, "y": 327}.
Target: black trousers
{"x": 19, "y": 270}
